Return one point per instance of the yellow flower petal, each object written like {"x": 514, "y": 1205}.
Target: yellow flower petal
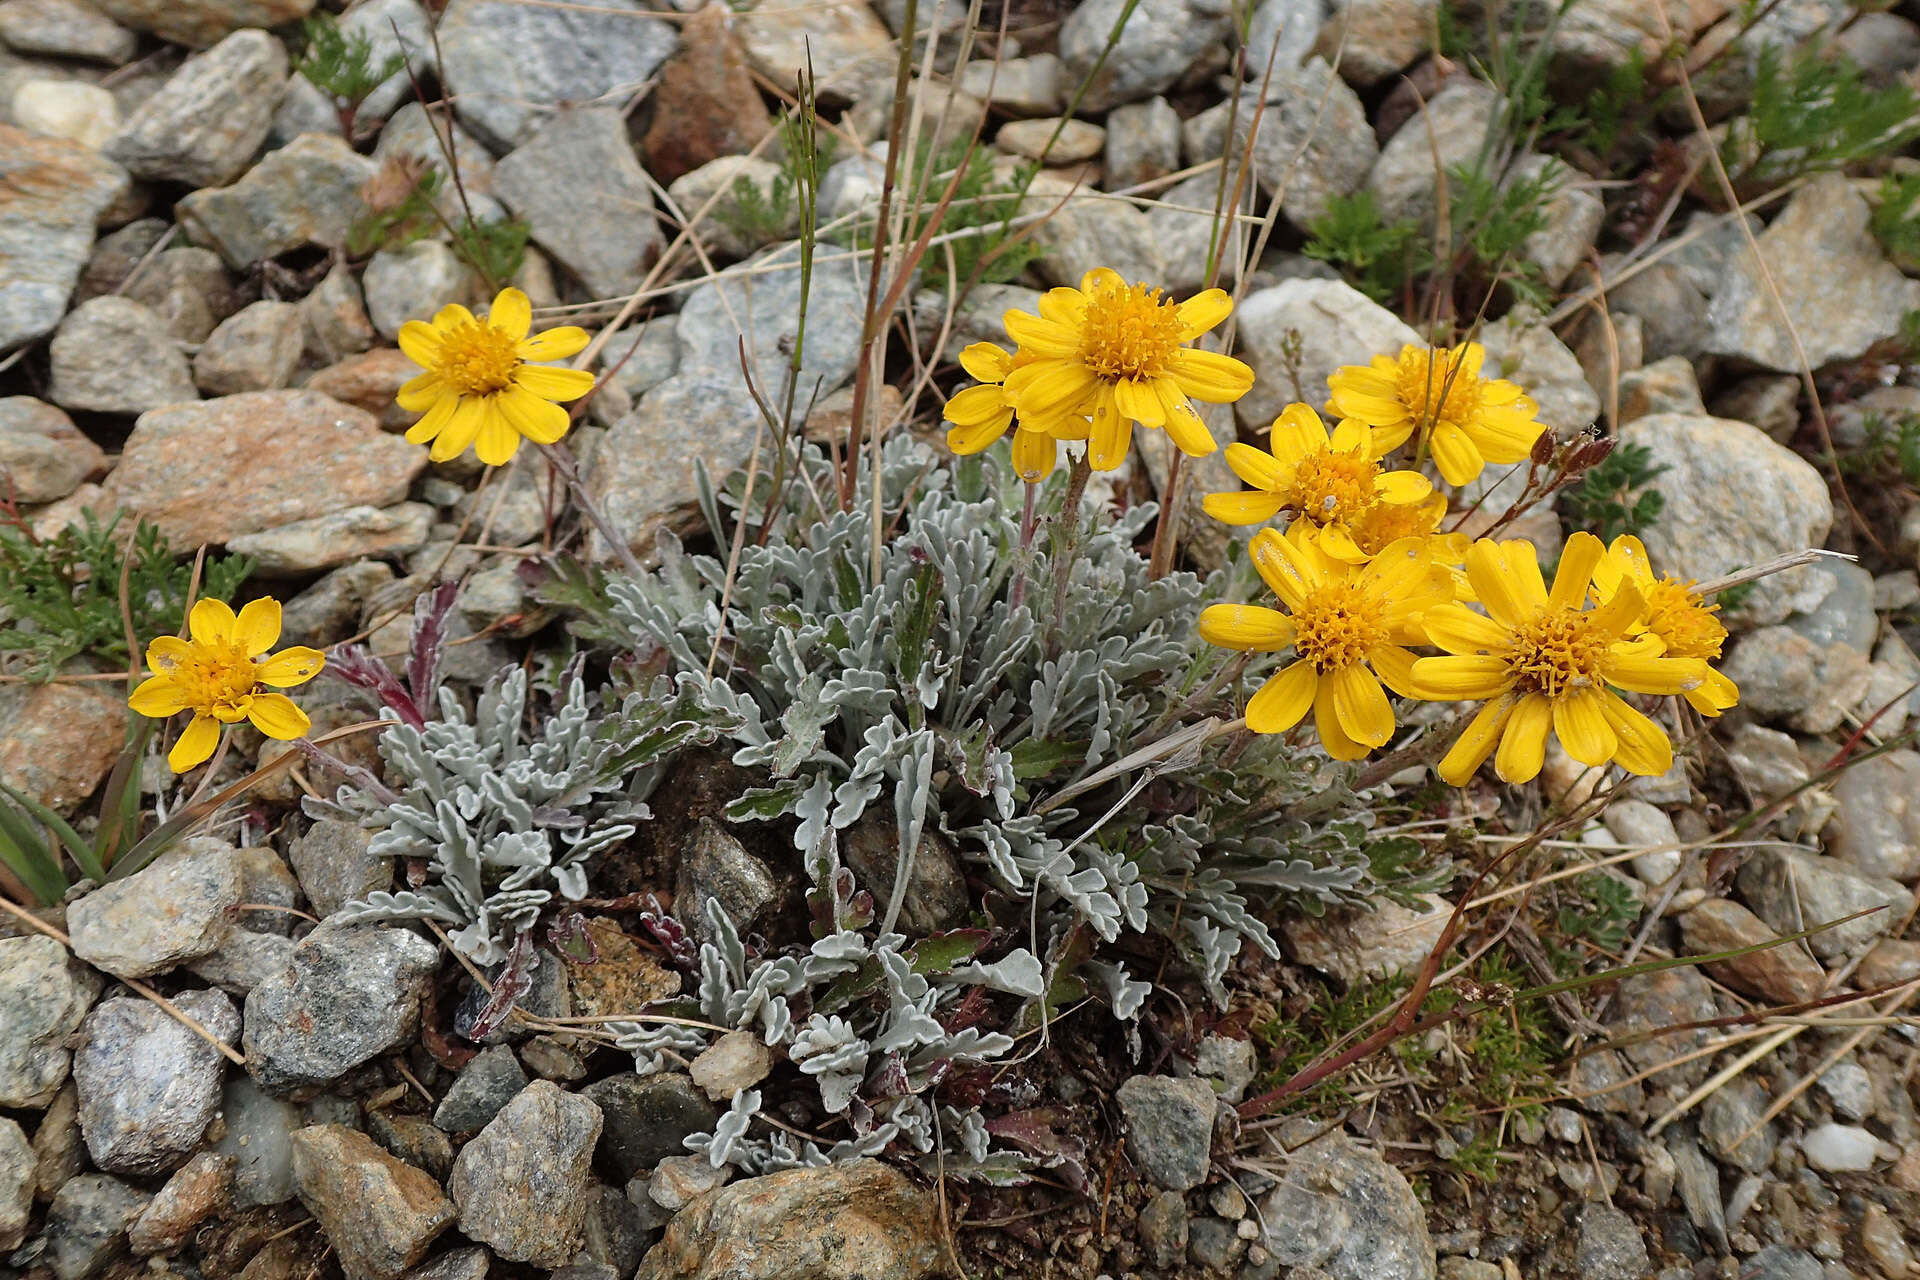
{"x": 1475, "y": 743}
{"x": 1402, "y": 486}
{"x": 1580, "y": 722}
{"x": 1100, "y": 279}
{"x": 1361, "y": 706}
{"x": 290, "y": 667}
{"x": 1460, "y": 678}
{"x": 1523, "y": 744}
{"x": 1643, "y": 747}
{"x": 435, "y": 420}
{"x": 1459, "y": 630}
{"x": 1334, "y": 738}
{"x": 1578, "y": 559}
{"x": 541, "y": 421}
{"x": 258, "y": 626}
{"x": 1034, "y": 454}
{"x": 1184, "y": 427}
{"x": 1249, "y": 507}
{"x": 1283, "y": 700}
{"x": 460, "y": 430}
{"x": 1250, "y": 628}
{"x": 1284, "y": 567}
{"x": 1210, "y": 376}
{"x": 553, "y": 384}
{"x": 1136, "y": 399}
{"x": 563, "y": 343}
{"x": 1717, "y": 693}
{"x": 511, "y": 313}
{"x": 1509, "y": 596}
{"x": 975, "y": 406}
{"x": 1297, "y": 434}
{"x": 166, "y": 652}
{"x": 1203, "y": 311}
{"x": 420, "y": 393}
{"x": 1654, "y": 675}
{"x": 1455, "y": 454}
{"x": 420, "y": 343}
{"x": 1043, "y": 338}
{"x": 158, "y": 697}
{"x": 1260, "y": 469}
{"x": 202, "y": 735}
{"x": 1111, "y": 435}
{"x": 498, "y": 441}
{"x": 1394, "y": 665}
{"x": 211, "y": 622}
{"x": 986, "y": 362}
{"x": 275, "y": 715}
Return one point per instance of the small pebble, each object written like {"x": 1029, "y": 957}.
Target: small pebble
{"x": 1840, "y": 1148}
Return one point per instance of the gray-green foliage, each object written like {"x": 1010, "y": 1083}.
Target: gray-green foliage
{"x": 930, "y": 691}
{"x": 506, "y": 814}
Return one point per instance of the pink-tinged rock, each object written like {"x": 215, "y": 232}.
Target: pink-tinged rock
{"x": 214, "y": 470}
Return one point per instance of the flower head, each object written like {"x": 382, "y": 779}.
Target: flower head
{"x": 1330, "y": 482}
{"x": 1544, "y": 663}
{"x": 1348, "y": 626}
{"x": 479, "y": 388}
{"x": 223, "y": 674}
{"x": 1117, "y": 354}
{"x": 981, "y": 414}
{"x": 1675, "y": 615}
{"x": 1466, "y": 420}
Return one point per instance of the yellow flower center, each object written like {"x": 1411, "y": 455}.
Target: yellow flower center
{"x": 477, "y": 359}
{"x": 1435, "y": 388}
{"x": 1333, "y": 488}
{"x": 1338, "y": 625}
{"x": 1385, "y": 523}
{"x": 1687, "y": 626}
{"x": 1129, "y": 332}
{"x": 1557, "y": 652}
{"x": 215, "y": 679}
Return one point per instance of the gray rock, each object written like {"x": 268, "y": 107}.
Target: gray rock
{"x": 1882, "y": 45}
{"x": 1749, "y": 501}
{"x": 1784, "y": 974}
{"x": 616, "y": 1234}
{"x": 413, "y": 1139}
{"x": 733, "y": 1063}
{"x": 18, "y": 1176}
{"x": 724, "y": 230}
{"x": 423, "y": 136}
{"x": 149, "y": 1085}
{"x": 1665, "y": 386}
{"x": 1840, "y": 1148}
{"x": 646, "y": 1119}
{"x": 1792, "y": 891}
{"x": 117, "y": 253}
{"x": 1783, "y": 1262}
{"x": 1731, "y": 1111}
{"x": 1847, "y": 296}
{"x": 42, "y": 453}
{"x": 188, "y": 288}
{"x": 1215, "y": 1245}
{"x": 1669, "y": 306}
{"x": 1182, "y": 225}
{"x": 487, "y": 1083}
{"x": 936, "y": 896}
{"x": 633, "y": 362}
{"x": 296, "y": 454}
{"x": 1143, "y": 143}
{"x": 258, "y": 1136}
{"x": 415, "y": 282}
{"x": 1160, "y": 42}
{"x": 197, "y": 1190}
{"x": 1698, "y": 1180}
{"x": 59, "y": 1152}
{"x": 1449, "y": 133}
{"x": 1376, "y": 39}
{"x": 1782, "y": 675}
{"x": 510, "y": 65}
{"x": 1765, "y": 760}
{"x": 1030, "y": 86}
{"x": 718, "y": 867}
{"x": 1282, "y": 34}
{"x": 70, "y": 109}
{"x": 256, "y": 349}
{"x": 1052, "y": 140}
{"x": 1849, "y": 1088}
{"x": 86, "y": 1226}
{"x": 1610, "y": 1246}
{"x": 176, "y": 909}
{"x": 349, "y": 995}
{"x": 1169, "y": 1128}
{"x": 65, "y": 29}
{"x": 1163, "y": 1225}
{"x": 243, "y": 961}
{"x": 856, "y": 1218}
{"x": 336, "y": 318}
{"x": 112, "y": 355}
{"x": 334, "y": 867}
{"x": 520, "y": 1183}
{"x": 210, "y": 117}
{"x": 1573, "y": 219}
{"x": 379, "y": 1214}
{"x": 1335, "y": 325}
{"x": 1085, "y": 229}
{"x": 1523, "y": 350}
{"x": 469, "y": 1262}
{"x": 308, "y": 546}
{"x": 199, "y": 23}
{"x": 52, "y": 194}
{"x": 1845, "y": 613}
{"x": 581, "y": 191}
{"x": 306, "y": 193}
{"x": 1352, "y": 944}
{"x": 1341, "y": 1208}
{"x": 1313, "y": 143}
{"x": 1876, "y": 823}
{"x": 328, "y": 611}
{"x": 1227, "y": 1064}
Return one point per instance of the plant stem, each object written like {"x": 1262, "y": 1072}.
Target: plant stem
{"x": 1066, "y": 542}
{"x": 562, "y": 460}
{"x": 1028, "y": 523}
{"x": 1165, "y": 533}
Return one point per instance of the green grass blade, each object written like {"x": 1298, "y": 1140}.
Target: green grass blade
{"x": 27, "y": 856}
{"x": 83, "y": 855}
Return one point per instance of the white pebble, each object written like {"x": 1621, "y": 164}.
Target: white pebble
{"x": 1840, "y": 1148}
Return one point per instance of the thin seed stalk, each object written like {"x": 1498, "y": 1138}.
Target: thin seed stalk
{"x": 1066, "y": 544}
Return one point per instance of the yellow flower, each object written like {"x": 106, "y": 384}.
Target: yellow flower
{"x": 1675, "y": 614}
{"x": 1119, "y": 353}
{"x": 1349, "y": 627}
{"x": 1329, "y": 482}
{"x": 479, "y": 389}
{"x": 1466, "y": 420}
{"x": 222, "y": 675}
{"x": 1544, "y": 661}
{"x": 980, "y": 415}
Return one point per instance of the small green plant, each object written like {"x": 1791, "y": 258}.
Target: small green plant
{"x": 1617, "y": 496}
{"x": 342, "y": 67}
{"x": 759, "y": 215}
{"x": 1736, "y": 596}
{"x": 400, "y": 209}
{"x": 1896, "y": 219}
{"x": 1890, "y": 449}
{"x": 1603, "y": 914}
{"x": 1494, "y": 219}
{"x": 1378, "y": 258}
{"x": 61, "y": 596}
{"x": 979, "y": 203}
{"x": 1606, "y": 117}
{"x": 33, "y": 837}
{"x": 495, "y": 248}
{"x": 1814, "y": 113}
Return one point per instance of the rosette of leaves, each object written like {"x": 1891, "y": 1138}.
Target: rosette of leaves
{"x": 1075, "y": 756}
{"x": 506, "y": 805}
